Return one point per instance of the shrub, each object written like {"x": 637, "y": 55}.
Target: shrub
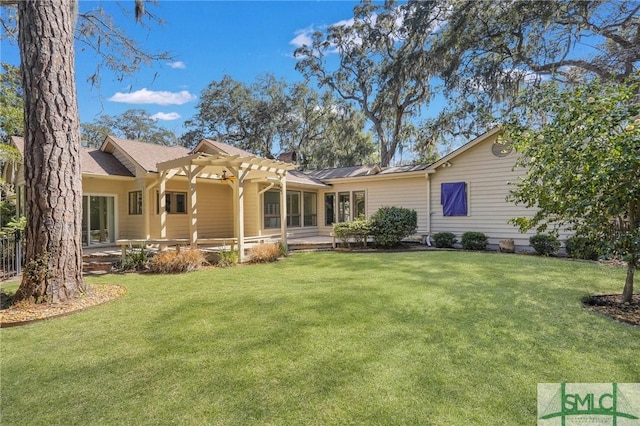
{"x": 472, "y": 240}
{"x": 445, "y": 239}
{"x": 389, "y": 225}
{"x": 227, "y": 258}
{"x": 264, "y": 253}
{"x": 583, "y": 248}
{"x": 356, "y": 230}
{"x": 133, "y": 260}
{"x": 176, "y": 261}
{"x": 544, "y": 244}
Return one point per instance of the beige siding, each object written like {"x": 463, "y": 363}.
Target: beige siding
{"x": 487, "y": 180}
{"x": 399, "y": 191}
{"x": 215, "y": 211}
{"x": 127, "y": 226}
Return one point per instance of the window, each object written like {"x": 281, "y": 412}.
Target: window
{"x": 175, "y": 202}
{"x": 344, "y": 207}
{"x": 453, "y": 197}
{"x": 358, "y": 205}
{"x": 329, "y": 208}
{"x": 272, "y": 209}
{"x": 310, "y": 201}
{"x": 135, "y": 202}
{"x": 293, "y": 208}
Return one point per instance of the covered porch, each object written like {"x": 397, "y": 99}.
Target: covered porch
{"x": 248, "y": 177}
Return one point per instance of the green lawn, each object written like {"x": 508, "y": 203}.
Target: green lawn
{"x": 444, "y": 338}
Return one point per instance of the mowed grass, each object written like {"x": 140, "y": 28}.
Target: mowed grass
{"x": 442, "y": 338}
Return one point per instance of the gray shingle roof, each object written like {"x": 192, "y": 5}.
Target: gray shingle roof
{"x": 96, "y": 162}
{"x": 359, "y": 171}
{"x": 147, "y": 155}
{"x": 92, "y": 161}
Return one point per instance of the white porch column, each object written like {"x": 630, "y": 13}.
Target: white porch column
{"x": 238, "y": 209}
{"x": 192, "y": 173}
{"x": 163, "y": 204}
{"x": 283, "y": 209}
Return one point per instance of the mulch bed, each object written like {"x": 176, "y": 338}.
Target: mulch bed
{"x": 611, "y": 305}
{"x": 26, "y": 313}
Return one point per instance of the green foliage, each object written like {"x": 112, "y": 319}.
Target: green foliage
{"x": 489, "y": 51}
{"x": 581, "y": 165}
{"x": 271, "y": 116}
{"x": 134, "y": 124}
{"x": 382, "y": 67}
{"x": 282, "y": 249}
{"x": 36, "y": 270}
{"x": 134, "y": 260}
{"x": 545, "y": 244}
{"x": 11, "y": 102}
{"x": 176, "y": 261}
{"x": 472, "y": 240}
{"x": 13, "y": 225}
{"x": 227, "y": 258}
{"x": 583, "y": 248}
{"x": 356, "y": 231}
{"x": 389, "y": 225}
{"x": 445, "y": 239}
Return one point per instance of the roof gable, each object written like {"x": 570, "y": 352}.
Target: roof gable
{"x": 92, "y": 161}
{"x": 482, "y": 138}
{"x": 210, "y": 146}
{"x": 142, "y": 154}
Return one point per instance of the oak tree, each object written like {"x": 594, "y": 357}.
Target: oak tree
{"x": 380, "y": 67}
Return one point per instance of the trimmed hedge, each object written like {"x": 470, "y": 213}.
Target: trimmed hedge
{"x": 472, "y": 240}
{"x": 545, "y": 244}
{"x": 356, "y": 230}
{"x": 445, "y": 239}
{"x": 389, "y": 225}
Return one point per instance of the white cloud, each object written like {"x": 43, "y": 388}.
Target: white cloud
{"x": 165, "y": 116}
{"x": 144, "y": 96}
{"x": 177, "y": 65}
{"x": 303, "y": 38}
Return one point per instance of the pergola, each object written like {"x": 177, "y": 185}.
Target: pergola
{"x": 235, "y": 170}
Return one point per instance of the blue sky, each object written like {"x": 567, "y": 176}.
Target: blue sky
{"x": 207, "y": 39}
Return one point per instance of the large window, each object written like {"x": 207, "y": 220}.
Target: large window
{"x": 310, "y": 207}
{"x": 293, "y": 209}
{"x": 272, "y": 209}
{"x": 344, "y": 207}
{"x": 135, "y": 202}
{"x": 329, "y": 209}
{"x": 453, "y": 197}
{"x": 358, "y": 205}
{"x": 174, "y": 202}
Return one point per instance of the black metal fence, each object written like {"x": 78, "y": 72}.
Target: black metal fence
{"x": 10, "y": 255}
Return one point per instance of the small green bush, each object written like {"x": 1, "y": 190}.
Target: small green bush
{"x": 445, "y": 239}
{"x": 545, "y": 244}
{"x": 583, "y": 248}
{"x": 133, "y": 260}
{"x": 356, "y": 230}
{"x": 472, "y": 240}
{"x": 389, "y": 225}
{"x": 176, "y": 261}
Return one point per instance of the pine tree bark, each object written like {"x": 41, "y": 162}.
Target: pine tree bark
{"x": 53, "y": 269}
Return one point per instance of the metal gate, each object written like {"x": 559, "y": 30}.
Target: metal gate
{"x": 10, "y": 255}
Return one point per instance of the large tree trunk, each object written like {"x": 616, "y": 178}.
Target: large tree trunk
{"x": 53, "y": 272}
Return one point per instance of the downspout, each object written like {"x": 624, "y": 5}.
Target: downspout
{"x": 428, "y": 176}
